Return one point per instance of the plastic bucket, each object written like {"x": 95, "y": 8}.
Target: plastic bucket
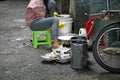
{"x": 65, "y": 15}
{"x": 67, "y": 28}
{"x": 68, "y": 25}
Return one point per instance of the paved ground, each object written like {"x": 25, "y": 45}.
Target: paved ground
{"x": 22, "y": 62}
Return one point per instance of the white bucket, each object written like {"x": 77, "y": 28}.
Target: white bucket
{"x": 68, "y": 25}
{"x": 65, "y": 15}
{"x": 67, "y": 28}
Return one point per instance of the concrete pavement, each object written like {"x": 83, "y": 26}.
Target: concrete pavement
{"x": 22, "y": 62}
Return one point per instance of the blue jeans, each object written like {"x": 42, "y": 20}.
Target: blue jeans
{"x": 45, "y": 23}
{"x": 51, "y": 8}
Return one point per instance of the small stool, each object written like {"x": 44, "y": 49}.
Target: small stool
{"x": 41, "y": 38}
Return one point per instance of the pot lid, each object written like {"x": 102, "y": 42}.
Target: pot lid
{"x": 65, "y": 37}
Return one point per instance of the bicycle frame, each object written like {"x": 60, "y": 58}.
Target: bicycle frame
{"x": 111, "y": 17}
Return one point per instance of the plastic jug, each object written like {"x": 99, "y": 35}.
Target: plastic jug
{"x": 82, "y": 32}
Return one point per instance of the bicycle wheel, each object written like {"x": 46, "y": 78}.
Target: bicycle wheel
{"x": 106, "y": 48}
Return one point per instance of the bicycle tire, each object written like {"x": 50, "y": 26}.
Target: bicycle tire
{"x": 97, "y": 54}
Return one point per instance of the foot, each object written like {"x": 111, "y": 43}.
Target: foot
{"x": 56, "y": 46}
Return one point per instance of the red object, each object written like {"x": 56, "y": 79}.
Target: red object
{"x": 89, "y": 26}
{"x": 103, "y": 41}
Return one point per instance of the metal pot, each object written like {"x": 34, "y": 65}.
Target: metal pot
{"x": 65, "y": 40}
{"x": 66, "y": 43}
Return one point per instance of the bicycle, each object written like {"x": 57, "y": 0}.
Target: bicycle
{"x": 103, "y": 32}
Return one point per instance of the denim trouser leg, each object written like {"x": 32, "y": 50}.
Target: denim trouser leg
{"x": 43, "y": 24}
{"x": 51, "y": 6}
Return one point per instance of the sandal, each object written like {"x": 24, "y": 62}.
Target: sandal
{"x": 64, "y": 58}
{"x": 61, "y": 49}
{"x": 61, "y": 52}
{"x": 50, "y": 56}
{"x": 57, "y": 54}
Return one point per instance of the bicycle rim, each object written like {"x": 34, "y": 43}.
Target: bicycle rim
{"x": 108, "y": 41}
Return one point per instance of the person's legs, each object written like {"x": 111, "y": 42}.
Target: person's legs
{"x": 46, "y": 23}
{"x": 51, "y": 6}
{"x": 58, "y": 6}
